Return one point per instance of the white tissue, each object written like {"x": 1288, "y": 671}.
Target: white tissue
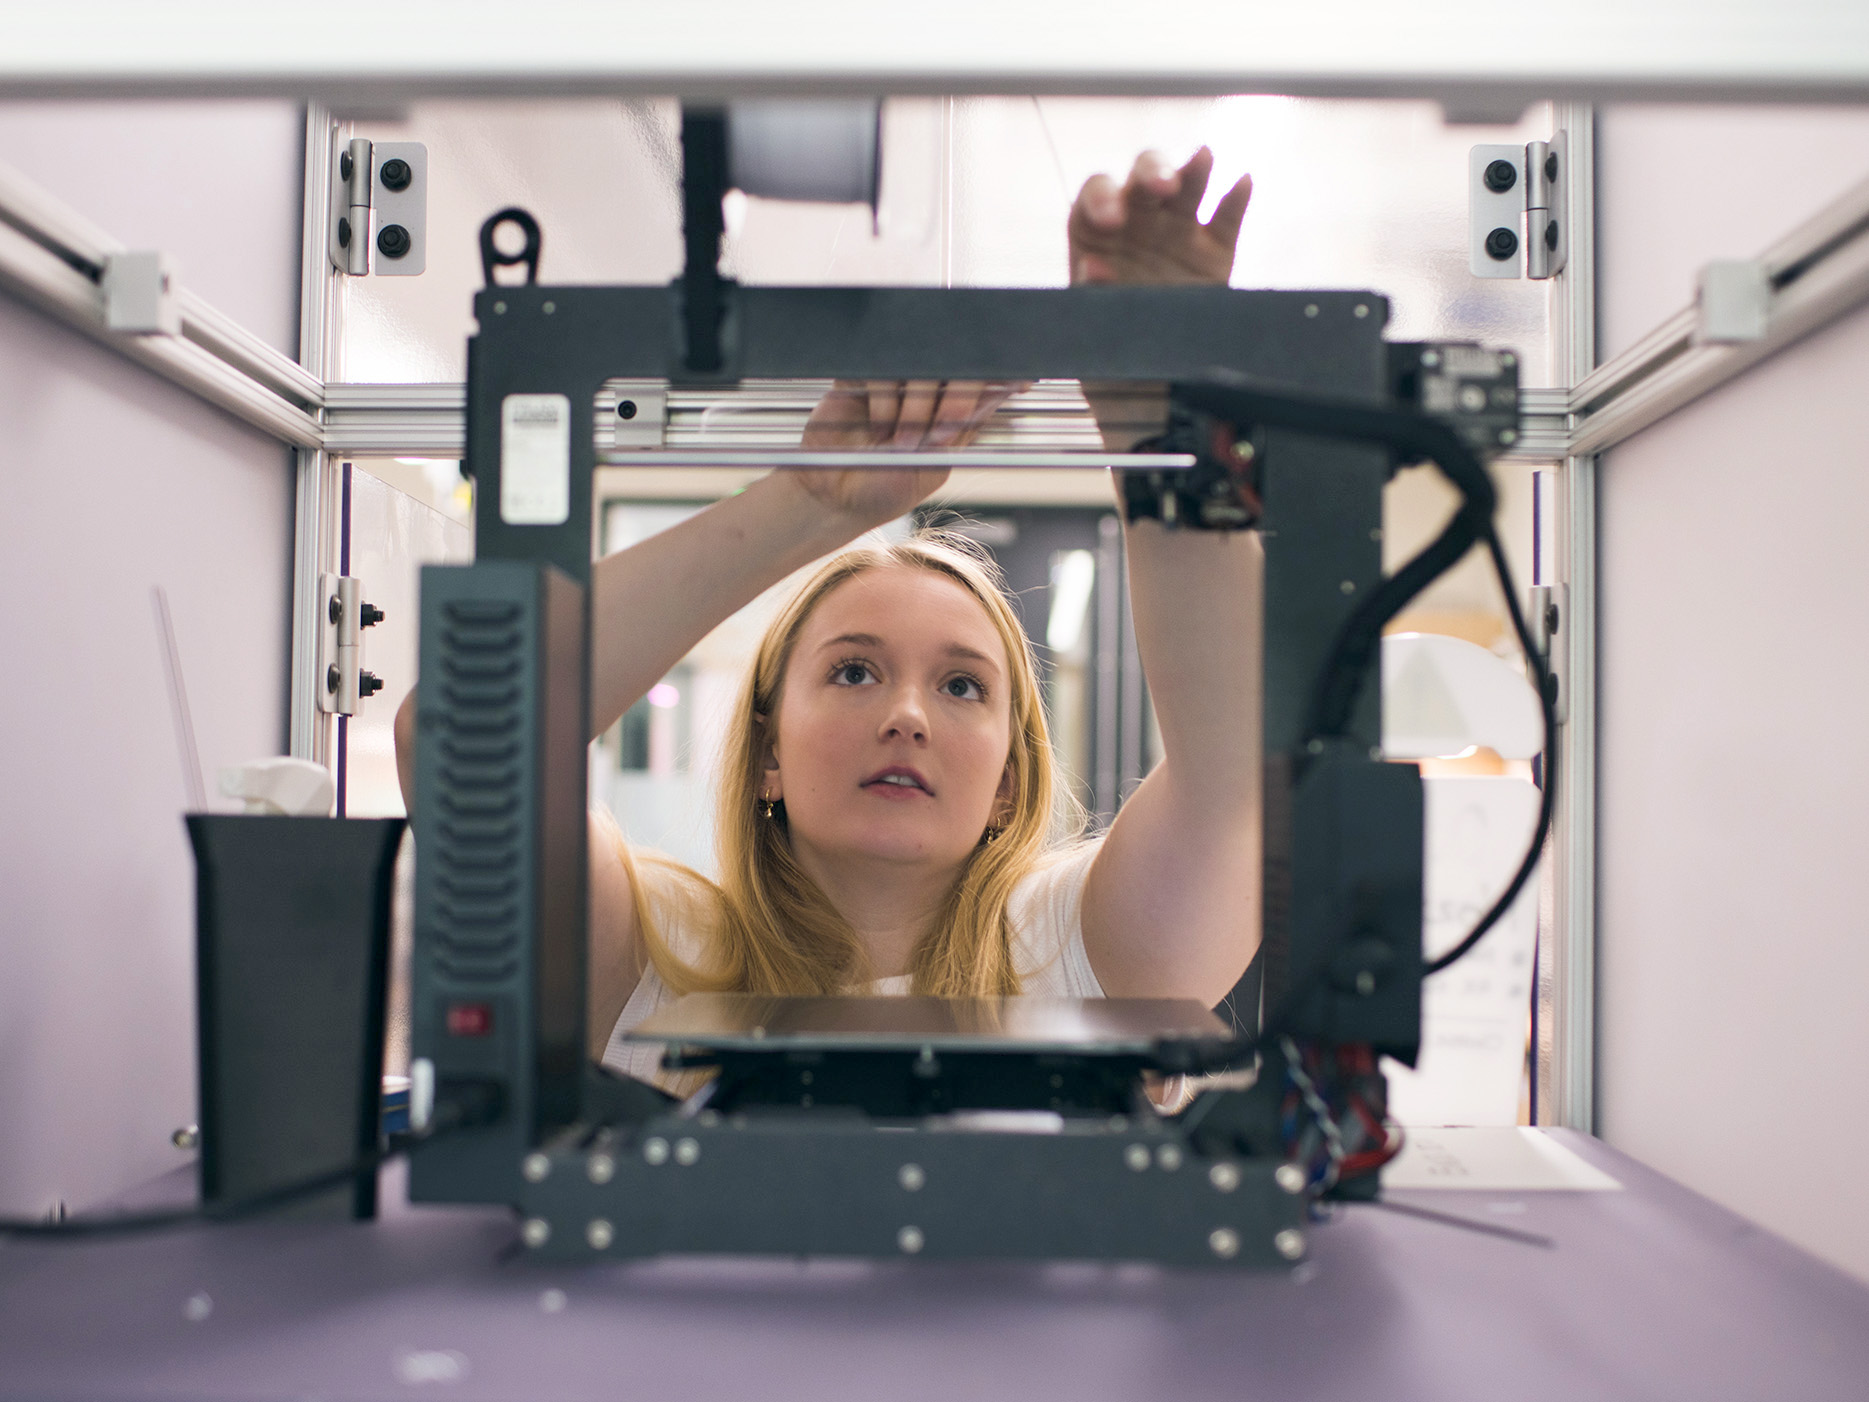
{"x": 292, "y": 788}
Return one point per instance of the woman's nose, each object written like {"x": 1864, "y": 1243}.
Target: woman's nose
{"x": 905, "y": 717}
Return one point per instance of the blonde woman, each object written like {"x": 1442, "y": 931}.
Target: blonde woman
{"x": 886, "y": 818}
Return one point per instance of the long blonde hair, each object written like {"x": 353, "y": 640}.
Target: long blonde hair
{"x": 773, "y": 929}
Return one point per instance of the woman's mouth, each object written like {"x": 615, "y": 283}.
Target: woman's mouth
{"x": 897, "y": 781}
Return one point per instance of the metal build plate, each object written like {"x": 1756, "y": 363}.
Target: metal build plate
{"x": 746, "y": 1022}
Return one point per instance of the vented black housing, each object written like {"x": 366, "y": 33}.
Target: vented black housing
{"x": 500, "y": 885}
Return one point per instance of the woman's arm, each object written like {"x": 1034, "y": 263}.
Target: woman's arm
{"x": 652, "y": 603}
{"x": 1172, "y": 903}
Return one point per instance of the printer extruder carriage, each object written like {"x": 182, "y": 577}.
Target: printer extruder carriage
{"x": 959, "y": 1148}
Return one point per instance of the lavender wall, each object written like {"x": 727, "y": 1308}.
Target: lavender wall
{"x": 1733, "y": 799}
{"x": 111, "y": 481}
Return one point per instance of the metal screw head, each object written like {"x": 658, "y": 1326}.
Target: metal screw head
{"x": 187, "y": 1137}
{"x": 1289, "y": 1243}
{"x": 626, "y": 408}
{"x": 536, "y": 1232}
{"x": 549, "y": 308}
{"x": 911, "y": 1177}
{"x": 1169, "y": 1157}
{"x": 1314, "y": 747}
{"x": 910, "y": 1240}
{"x": 1508, "y": 360}
{"x": 1348, "y": 586}
{"x": 1362, "y": 310}
{"x": 499, "y": 309}
{"x": 686, "y": 1152}
{"x": 343, "y": 165}
{"x": 1430, "y": 358}
{"x": 1137, "y": 1157}
{"x": 1508, "y": 435}
{"x": 600, "y": 1168}
{"x": 393, "y": 241}
{"x": 534, "y": 1168}
{"x": 1290, "y": 1177}
{"x": 1365, "y": 982}
{"x": 1224, "y": 1242}
{"x": 600, "y": 1234}
{"x": 1472, "y": 398}
{"x": 1224, "y": 1176}
{"x": 655, "y": 1150}
{"x": 1310, "y": 309}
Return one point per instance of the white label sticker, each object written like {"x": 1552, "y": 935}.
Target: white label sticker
{"x": 535, "y": 459}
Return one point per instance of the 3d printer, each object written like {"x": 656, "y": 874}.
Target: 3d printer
{"x": 885, "y": 1127}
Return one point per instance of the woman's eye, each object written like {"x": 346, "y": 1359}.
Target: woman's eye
{"x": 851, "y": 673}
{"x": 964, "y": 688}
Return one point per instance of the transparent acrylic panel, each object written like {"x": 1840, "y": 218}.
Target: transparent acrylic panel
{"x": 1347, "y": 194}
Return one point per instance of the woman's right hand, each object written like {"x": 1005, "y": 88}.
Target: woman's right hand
{"x": 903, "y": 416}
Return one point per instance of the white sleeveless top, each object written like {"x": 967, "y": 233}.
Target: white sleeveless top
{"x": 1045, "y": 912}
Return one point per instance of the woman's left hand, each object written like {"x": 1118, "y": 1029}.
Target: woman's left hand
{"x": 924, "y": 415}
{"x": 1148, "y": 230}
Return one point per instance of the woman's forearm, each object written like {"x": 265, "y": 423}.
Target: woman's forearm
{"x": 1195, "y": 597}
{"x": 652, "y": 603}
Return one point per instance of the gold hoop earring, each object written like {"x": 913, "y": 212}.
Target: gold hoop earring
{"x": 992, "y": 835}
{"x": 766, "y": 809}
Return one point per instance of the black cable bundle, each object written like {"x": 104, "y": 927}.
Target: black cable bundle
{"x": 1354, "y": 653}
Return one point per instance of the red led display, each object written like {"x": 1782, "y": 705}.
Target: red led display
{"x": 470, "y": 1019}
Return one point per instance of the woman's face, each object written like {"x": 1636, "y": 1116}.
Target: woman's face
{"x": 894, "y": 723}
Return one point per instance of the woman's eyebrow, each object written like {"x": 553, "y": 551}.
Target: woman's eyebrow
{"x": 972, "y": 654}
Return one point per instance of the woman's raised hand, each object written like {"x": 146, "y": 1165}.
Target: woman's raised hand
{"x": 1148, "y": 230}
{"x": 921, "y": 415}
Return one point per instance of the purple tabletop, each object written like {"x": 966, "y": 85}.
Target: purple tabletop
{"x": 1651, "y": 1292}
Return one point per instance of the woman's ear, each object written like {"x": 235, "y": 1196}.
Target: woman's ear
{"x": 1005, "y": 797}
{"x": 771, "y": 781}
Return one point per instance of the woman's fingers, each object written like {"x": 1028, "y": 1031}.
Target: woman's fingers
{"x": 955, "y": 415}
{"x": 885, "y": 405}
{"x": 1230, "y": 213}
{"x": 1191, "y": 184}
{"x": 916, "y": 414}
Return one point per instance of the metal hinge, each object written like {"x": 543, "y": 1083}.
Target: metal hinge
{"x": 379, "y": 206}
{"x": 1550, "y": 609}
{"x": 343, "y": 615}
{"x": 1517, "y": 221}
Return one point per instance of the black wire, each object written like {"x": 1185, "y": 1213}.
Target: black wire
{"x": 282, "y": 1196}
{"x": 1547, "y": 708}
{"x": 1358, "y": 643}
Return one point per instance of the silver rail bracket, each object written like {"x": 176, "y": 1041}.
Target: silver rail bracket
{"x": 1733, "y": 303}
{"x": 139, "y": 294}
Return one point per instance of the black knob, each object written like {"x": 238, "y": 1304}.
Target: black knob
{"x": 369, "y": 616}
{"x": 1501, "y": 244}
{"x": 393, "y": 241}
{"x": 1501, "y": 176}
{"x": 395, "y": 174}
{"x": 368, "y": 683}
